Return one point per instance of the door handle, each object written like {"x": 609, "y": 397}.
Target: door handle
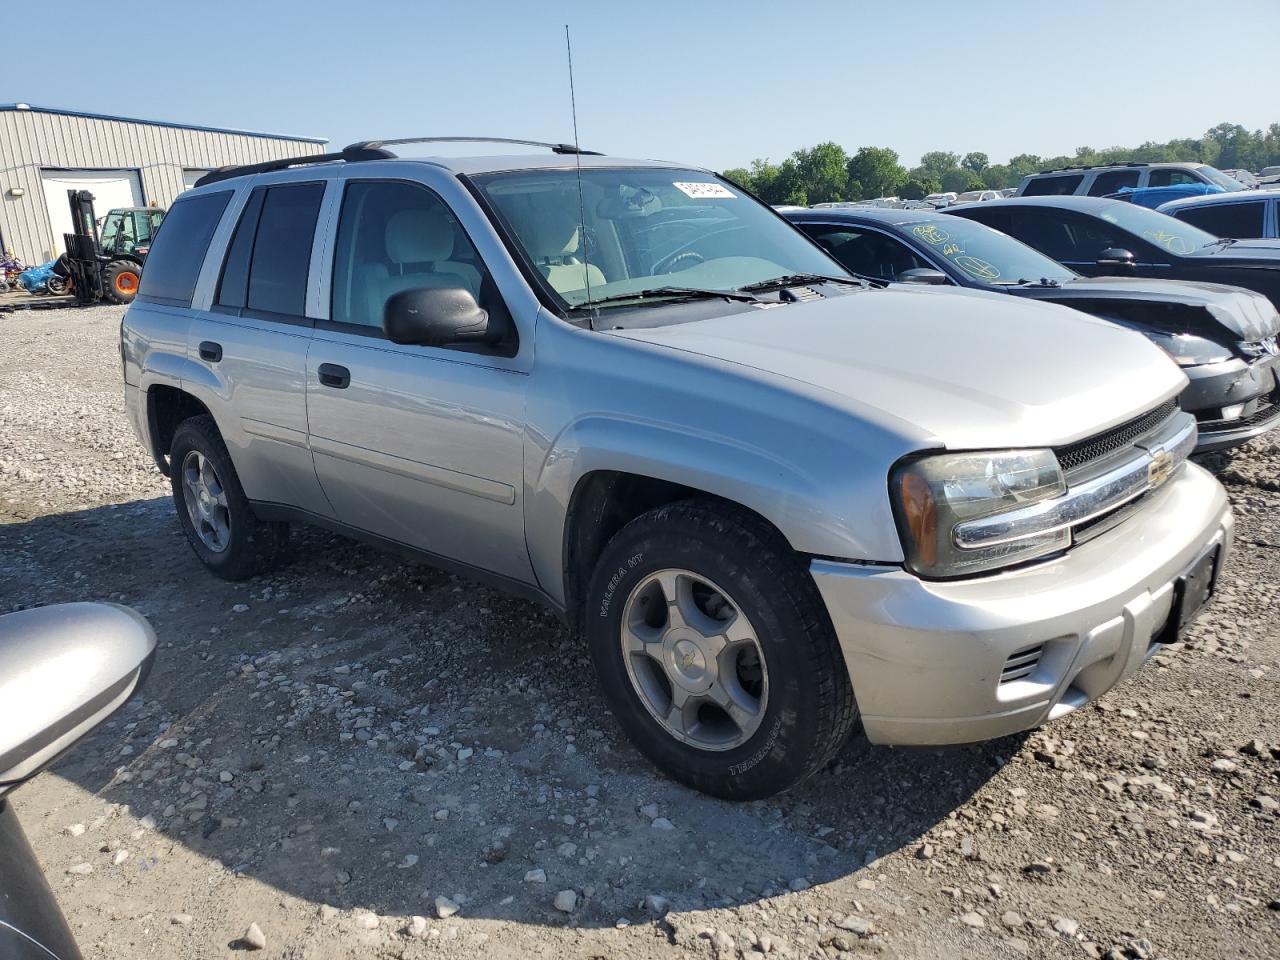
{"x": 333, "y": 375}
{"x": 210, "y": 351}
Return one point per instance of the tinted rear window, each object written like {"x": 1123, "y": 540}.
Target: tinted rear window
{"x": 176, "y": 256}
{"x": 1237, "y": 220}
{"x": 1053, "y": 186}
{"x": 282, "y": 249}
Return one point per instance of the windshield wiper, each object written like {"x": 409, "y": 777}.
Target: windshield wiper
{"x": 1221, "y": 242}
{"x": 668, "y": 293}
{"x": 799, "y": 279}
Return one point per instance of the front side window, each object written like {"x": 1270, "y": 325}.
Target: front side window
{"x": 176, "y": 256}
{"x": 1111, "y": 181}
{"x": 637, "y": 229}
{"x": 1237, "y": 220}
{"x": 395, "y": 236}
{"x": 1060, "y": 186}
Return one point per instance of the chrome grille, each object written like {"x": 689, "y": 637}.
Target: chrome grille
{"x": 1082, "y": 453}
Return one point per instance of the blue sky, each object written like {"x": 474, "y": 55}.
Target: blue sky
{"x": 708, "y": 83}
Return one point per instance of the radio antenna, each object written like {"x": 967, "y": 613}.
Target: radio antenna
{"x": 577, "y": 157}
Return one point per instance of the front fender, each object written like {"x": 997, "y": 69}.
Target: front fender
{"x": 818, "y": 513}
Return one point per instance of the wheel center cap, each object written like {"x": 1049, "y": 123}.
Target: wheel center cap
{"x": 688, "y": 662}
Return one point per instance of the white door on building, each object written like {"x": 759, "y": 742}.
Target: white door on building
{"x": 110, "y": 189}
{"x": 189, "y": 178}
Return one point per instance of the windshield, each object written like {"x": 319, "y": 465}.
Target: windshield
{"x": 646, "y": 228}
{"x": 1176, "y": 236}
{"x": 984, "y": 254}
{"x": 1220, "y": 178}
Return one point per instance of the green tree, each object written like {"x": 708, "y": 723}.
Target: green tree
{"x": 740, "y": 176}
{"x": 975, "y": 161}
{"x": 937, "y": 162}
{"x": 961, "y": 180}
{"x": 822, "y": 172}
{"x": 997, "y": 177}
{"x": 915, "y": 190}
{"x": 876, "y": 172}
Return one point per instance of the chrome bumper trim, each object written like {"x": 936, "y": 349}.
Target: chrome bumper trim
{"x": 1158, "y": 460}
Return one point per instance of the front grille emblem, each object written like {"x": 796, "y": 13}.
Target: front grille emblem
{"x": 1160, "y": 467}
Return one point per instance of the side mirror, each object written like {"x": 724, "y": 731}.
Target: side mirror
{"x": 63, "y": 670}
{"x": 1116, "y": 257}
{"x": 923, "y": 275}
{"x": 435, "y": 317}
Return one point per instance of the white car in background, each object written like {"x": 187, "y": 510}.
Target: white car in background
{"x": 975, "y": 196}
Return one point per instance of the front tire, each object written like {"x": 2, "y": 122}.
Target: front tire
{"x": 214, "y": 513}
{"x": 715, "y": 651}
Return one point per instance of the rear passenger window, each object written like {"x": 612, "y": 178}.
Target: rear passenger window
{"x": 1111, "y": 181}
{"x": 233, "y": 288}
{"x": 1235, "y": 220}
{"x": 282, "y": 249}
{"x": 176, "y": 256}
{"x": 1170, "y": 178}
{"x": 1053, "y": 186}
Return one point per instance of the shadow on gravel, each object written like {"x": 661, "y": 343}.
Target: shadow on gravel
{"x": 305, "y": 728}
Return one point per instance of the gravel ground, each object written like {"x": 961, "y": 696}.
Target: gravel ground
{"x": 357, "y": 757}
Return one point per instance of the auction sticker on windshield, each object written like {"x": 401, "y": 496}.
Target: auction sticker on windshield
{"x": 705, "y": 191}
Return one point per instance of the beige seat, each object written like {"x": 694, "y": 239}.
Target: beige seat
{"x": 553, "y": 243}
{"x": 418, "y": 246}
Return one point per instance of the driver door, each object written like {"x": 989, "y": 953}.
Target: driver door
{"x": 422, "y": 446}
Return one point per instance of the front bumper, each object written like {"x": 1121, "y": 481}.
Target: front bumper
{"x": 1212, "y": 387}
{"x": 926, "y": 658}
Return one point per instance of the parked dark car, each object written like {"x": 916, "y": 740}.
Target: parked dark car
{"x": 1100, "y": 237}
{"x": 63, "y": 670}
{"x": 1241, "y": 215}
{"x": 1222, "y": 337}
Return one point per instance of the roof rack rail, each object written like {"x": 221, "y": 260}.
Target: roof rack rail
{"x": 1099, "y": 166}
{"x": 349, "y": 154}
{"x": 562, "y": 148}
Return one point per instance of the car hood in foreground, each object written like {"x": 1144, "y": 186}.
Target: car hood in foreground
{"x": 964, "y": 369}
{"x": 1243, "y": 314}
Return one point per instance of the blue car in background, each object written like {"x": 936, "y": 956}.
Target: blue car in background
{"x": 1153, "y": 197}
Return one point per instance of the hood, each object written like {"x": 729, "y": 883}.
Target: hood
{"x": 958, "y": 368}
{"x": 1242, "y": 314}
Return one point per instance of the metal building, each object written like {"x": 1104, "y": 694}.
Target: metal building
{"x": 123, "y": 162}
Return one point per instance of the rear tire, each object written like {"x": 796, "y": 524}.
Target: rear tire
{"x": 120, "y": 281}
{"x": 214, "y": 513}
{"x": 744, "y": 728}
{"x": 55, "y": 286}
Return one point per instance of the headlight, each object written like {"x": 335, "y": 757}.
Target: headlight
{"x": 1187, "y": 349}
{"x": 933, "y": 494}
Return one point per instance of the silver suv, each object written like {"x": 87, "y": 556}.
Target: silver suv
{"x": 770, "y": 497}
{"x": 1103, "y": 180}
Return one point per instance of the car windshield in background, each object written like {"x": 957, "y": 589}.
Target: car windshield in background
{"x": 986, "y": 255}
{"x": 1176, "y": 236}
{"x": 646, "y": 228}
{"x": 1220, "y": 178}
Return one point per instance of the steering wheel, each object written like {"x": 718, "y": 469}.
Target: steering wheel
{"x": 677, "y": 261}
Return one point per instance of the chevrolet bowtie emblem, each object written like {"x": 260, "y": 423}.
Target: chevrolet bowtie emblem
{"x": 1160, "y": 467}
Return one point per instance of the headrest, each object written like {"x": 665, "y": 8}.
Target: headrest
{"x": 552, "y": 233}
{"x": 419, "y": 236}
